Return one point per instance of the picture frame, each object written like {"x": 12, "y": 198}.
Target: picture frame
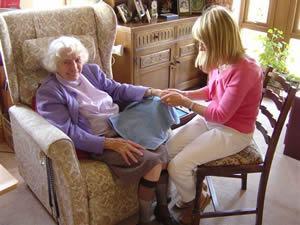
{"x": 124, "y": 12}
{"x": 166, "y": 6}
{"x": 148, "y": 16}
{"x": 197, "y": 6}
{"x": 139, "y": 8}
{"x": 184, "y": 7}
{"x": 114, "y": 3}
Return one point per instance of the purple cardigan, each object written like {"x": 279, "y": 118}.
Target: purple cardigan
{"x": 60, "y": 107}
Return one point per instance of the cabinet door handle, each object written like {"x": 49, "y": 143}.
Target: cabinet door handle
{"x": 156, "y": 36}
{"x": 176, "y": 60}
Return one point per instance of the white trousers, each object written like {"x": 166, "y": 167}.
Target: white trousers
{"x": 196, "y": 143}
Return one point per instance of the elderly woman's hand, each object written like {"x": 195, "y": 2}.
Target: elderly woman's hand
{"x": 153, "y": 92}
{"x": 172, "y": 90}
{"x": 125, "y": 147}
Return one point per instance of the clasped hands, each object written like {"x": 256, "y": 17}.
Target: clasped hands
{"x": 171, "y": 97}
{"x": 174, "y": 97}
{"x": 128, "y": 149}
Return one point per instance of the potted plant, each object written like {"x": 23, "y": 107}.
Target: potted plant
{"x": 276, "y": 51}
{"x": 275, "y": 54}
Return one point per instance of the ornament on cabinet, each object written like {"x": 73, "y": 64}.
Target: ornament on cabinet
{"x": 153, "y": 9}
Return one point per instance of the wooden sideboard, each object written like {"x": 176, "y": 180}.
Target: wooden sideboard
{"x": 159, "y": 55}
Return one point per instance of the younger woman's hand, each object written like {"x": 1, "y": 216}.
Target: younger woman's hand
{"x": 172, "y": 90}
{"x": 172, "y": 99}
{"x": 124, "y": 147}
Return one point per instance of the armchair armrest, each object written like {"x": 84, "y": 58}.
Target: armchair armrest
{"x": 40, "y": 130}
{"x": 34, "y": 137}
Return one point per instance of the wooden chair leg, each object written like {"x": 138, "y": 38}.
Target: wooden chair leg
{"x": 260, "y": 198}
{"x": 196, "y": 210}
{"x": 244, "y": 181}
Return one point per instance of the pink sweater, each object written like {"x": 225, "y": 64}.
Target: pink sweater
{"x": 235, "y": 95}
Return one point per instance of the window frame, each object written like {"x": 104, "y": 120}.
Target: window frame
{"x": 263, "y": 27}
{"x": 283, "y": 15}
{"x": 295, "y": 33}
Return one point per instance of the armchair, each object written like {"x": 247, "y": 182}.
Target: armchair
{"x": 87, "y": 193}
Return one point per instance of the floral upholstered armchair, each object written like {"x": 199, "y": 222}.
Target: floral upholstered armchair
{"x": 86, "y": 192}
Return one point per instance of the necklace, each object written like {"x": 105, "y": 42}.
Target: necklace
{"x": 223, "y": 67}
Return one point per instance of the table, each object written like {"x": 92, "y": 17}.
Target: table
{"x": 7, "y": 181}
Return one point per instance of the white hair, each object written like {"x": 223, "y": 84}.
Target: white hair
{"x": 57, "y": 46}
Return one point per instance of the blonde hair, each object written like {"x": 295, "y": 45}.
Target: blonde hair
{"x": 219, "y": 33}
{"x": 58, "y": 46}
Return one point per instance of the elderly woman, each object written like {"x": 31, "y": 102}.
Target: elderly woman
{"x": 77, "y": 98}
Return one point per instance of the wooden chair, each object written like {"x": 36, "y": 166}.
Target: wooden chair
{"x": 249, "y": 160}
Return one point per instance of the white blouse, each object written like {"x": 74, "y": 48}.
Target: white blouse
{"x": 95, "y": 105}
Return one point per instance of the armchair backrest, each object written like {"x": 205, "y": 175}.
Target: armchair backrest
{"x": 25, "y": 35}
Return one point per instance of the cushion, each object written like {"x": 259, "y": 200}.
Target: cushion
{"x": 248, "y": 156}
{"x": 35, "y": 49}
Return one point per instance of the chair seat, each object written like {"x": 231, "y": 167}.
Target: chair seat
{"x": 250, "y": 155}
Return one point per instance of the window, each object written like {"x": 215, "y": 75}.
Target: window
{"x": 293, "y": 62}
{"x": 249, "y": 38}
{"x": 258, "y": 11}
{"x": 257, "y": 16}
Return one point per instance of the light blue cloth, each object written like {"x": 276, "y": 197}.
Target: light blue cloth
{"x": 146, "y": 122}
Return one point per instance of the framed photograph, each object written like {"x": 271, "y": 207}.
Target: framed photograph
{"x": 197, "y": 6}
{"x": 139, "y": 8}
{"x": 166, "y": 6}
{"x": 124, "y": 12}
{"x": 148, "y": 16}
{"x": 114, "y": 3}
{"x": 184, "y": 7}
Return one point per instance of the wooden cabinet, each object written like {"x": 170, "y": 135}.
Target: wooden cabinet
{"x": 160, "y": 55}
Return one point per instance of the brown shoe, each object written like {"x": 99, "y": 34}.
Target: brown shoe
{"x": 184, "y": 205}
{"x": 186, "y": 217}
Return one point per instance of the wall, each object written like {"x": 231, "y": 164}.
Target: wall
{"x": 26, "y": 4}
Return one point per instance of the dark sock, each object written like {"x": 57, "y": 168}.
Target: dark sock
{"x": 146, "y": 194}
{"x": 162, "y": 193}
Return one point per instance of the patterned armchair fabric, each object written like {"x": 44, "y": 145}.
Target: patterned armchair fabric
{"x": 87, "y": 192}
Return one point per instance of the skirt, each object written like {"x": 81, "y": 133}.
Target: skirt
{"x": 134, "y": 172}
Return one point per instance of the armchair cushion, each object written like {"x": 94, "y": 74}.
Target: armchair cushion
{"x": 35, "y": 49}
